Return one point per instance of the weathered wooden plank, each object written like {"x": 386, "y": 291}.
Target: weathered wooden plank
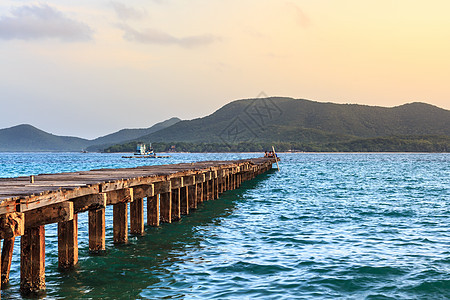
{"x": 32, "y": 260}
{"x": 68, "y": 243}
{"x": 162, "y": 187}
{"x": 12, "y": 225}
{"x": 144, "y": 191}
{"x": 153, "y": 211}
{"x": 89, "y": 202}
{"x": 200, "y": 177}
{"x": 120, "y": 223}
{"x": 97, "y": 230}
{"x": 33, "y": 202}
{"x": 188, "y": 180}
{"x": 165, "y": 200}
{"x": 55, "y": 213}
{"x": 137, "y": 216}
{"x": 119, "y": 196}
{"x": 176, "y": 182}
{"x": 7, "y": 206}
{"x": 7, "y": 253}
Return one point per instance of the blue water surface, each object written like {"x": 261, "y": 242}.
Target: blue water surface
{"x": 326, "y": 226}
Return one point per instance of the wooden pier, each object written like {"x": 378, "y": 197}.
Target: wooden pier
{"x": 27, "y": 204}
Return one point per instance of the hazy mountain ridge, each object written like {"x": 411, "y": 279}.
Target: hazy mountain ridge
{"x": 125, "y": 135}
{"x": 26, "y": 137}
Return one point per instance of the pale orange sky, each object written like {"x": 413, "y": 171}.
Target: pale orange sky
{"x": 93, "y": 67}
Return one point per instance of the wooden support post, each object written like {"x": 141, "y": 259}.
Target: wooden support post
{"x": 32, "y": 260}
{"x": 200, "y": 193}
{"x": 216, "y": 188}
{"x": 192, "y": 196}
{"x": 153, "y": 211}
{"x": 176, "y": 211}
{"x": 184, "y": 200}
{"x": 7, "y": 253}
{"x": 137, "y": 216}
{"x": 166, "y": 207}
{"x": 206, "y": 190}
{"x": 120, "y": 223}
{"x": 68, "y": 243}
{"x": 97, "y": 230}
{"x": 221, "y": 185}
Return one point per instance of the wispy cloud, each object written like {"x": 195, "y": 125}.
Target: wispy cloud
{"x": 301, "y": 17}
{"x": 125, "y": 12}
{"x": 42, "y": 22}
{"x": 154, "y": 36}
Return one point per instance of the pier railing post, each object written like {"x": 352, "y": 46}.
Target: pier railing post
{"x": 32, "y": 260}
{"x": 68, "y": 243}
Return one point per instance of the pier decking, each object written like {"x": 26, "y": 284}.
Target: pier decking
{"x": 27, "y": 204}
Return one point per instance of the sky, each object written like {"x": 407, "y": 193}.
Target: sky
{"x": 89, "y": 68}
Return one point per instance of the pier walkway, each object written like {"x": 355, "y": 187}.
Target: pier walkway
{"x": 27, "y": 204}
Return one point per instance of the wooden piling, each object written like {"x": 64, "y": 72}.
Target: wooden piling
{"x": 7, "y": 253}
{"x": 200, "y": 193}
{"x": 97, "y": 230}
{"x": 137, "y": 216}
{"x": 176, "y": 205}
{"x": 184, "y": 200}
{"x": 166, "y": 207}
{"x": 153, "y": 211}
{"x": 68, "y": 243}
{"x": 216, "y": 188}
{"x": 192, "y": 196}
{"x": 32, "y": 260}
{"x": 120, "y": 223}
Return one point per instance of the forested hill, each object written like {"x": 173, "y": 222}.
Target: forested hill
{"x": 297, "y": 120}
{"x": 28, "y": 138}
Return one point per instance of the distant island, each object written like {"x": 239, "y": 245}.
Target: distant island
{"x": 254, "y": 125}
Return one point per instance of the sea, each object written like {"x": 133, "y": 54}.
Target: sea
{"x": 325, "y": 226}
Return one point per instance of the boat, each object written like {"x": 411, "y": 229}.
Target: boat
{"x": 142, "y": 151}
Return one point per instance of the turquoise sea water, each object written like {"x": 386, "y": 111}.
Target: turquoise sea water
{"x": 327, "y": 226}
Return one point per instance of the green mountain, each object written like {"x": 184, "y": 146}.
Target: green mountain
{"x": 29, "y": 138}
{"x": 127, "y": 135}
{"x": 296, "y": 120}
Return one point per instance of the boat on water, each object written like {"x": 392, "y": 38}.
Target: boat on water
{"x": 145, "y": 151}
{"x": 141, "y": 149}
